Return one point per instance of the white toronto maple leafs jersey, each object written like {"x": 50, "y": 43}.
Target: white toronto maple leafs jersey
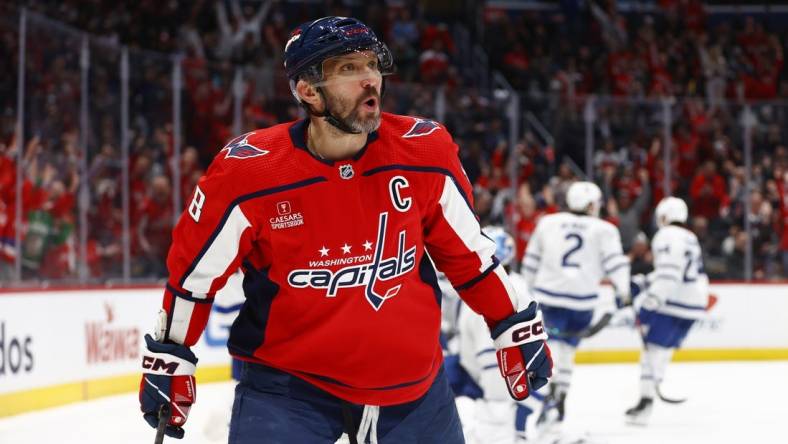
{"x": 678, "y": 280}
{"x": 493, "y": 418}
{"x": 567, "y": 257}
{"x": 477, "y": 353}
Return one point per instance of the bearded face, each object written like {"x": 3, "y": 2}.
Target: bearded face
{"x": 351, "y": 89}
{"x": 362, "y": 113}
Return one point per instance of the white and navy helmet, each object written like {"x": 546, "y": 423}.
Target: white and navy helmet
{"x": 669, "y": 210}
{"x": 581, "y": 195}
{"x": 504, "y": 243}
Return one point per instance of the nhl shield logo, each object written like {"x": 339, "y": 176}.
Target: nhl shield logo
{"x": 346, "y": 171}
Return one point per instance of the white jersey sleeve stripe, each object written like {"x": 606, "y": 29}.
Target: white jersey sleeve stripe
{"x": 685, "y": 306}
{"x": 460, "y": 218}
{"x": 181, "y": 317}
{"x": 219, "y": 255}
{"x": 556, "y": 294}
{"x": 486, "y": 350}
{"x": 525, "y": 299}
{"x": 619, "y": 266}
{"x": 611, "y": 256}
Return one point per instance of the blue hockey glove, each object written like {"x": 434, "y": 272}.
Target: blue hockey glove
{"x": 167, "y": 379}
{"x": 523, "y": 355}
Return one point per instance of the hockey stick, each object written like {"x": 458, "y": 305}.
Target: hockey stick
{"x": 587, "y": 332}
{"x": 665, "y": 399}
{"x": 164, "y": 418}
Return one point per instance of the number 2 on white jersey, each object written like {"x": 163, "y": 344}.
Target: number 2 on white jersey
{"x": 573, "y": 249}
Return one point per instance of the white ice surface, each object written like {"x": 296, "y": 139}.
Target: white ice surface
{"x": 728, "y": 403}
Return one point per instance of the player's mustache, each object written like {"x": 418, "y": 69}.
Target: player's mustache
{"x": 372, "y": 95}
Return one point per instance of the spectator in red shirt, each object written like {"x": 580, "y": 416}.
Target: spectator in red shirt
{"x": 524, "y": 220}
{"x": 155, "y": 227}
{"x": 434, "y": 63}
{"x": 782, "y": 186}
{"x": 708, "y": 192}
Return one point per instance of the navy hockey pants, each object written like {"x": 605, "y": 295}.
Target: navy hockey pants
{"x": 665, "y": 330}
{"x": 566, "y": 321}
{"x": 273, "y": 407}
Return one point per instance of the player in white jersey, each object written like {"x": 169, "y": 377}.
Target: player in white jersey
{"x": 670, "y": 299}
{"x": 494, "y": 416}
{"x": 566, "y": 259}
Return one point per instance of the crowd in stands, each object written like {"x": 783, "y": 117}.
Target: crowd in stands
{"x": 708, "y": 66}
{"x": 557, "y": 60}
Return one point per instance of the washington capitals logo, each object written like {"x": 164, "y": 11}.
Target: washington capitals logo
{"x": 241, "y": 149}
{"x": 422, "y": 127}
{"x": 367, "y": 275}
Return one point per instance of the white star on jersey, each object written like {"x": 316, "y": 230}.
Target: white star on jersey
{"x": 367, "y": 245}
{"x": 346, "y": 248}
{"x": 323, "y": 251}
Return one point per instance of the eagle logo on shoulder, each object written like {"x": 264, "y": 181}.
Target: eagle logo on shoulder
{"x": 421, "y": 127}
{"x": 240, "y": 148}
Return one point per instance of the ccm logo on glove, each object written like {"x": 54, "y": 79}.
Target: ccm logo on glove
{"x": 156, "y": 364}
{"x": 526, "y": 332}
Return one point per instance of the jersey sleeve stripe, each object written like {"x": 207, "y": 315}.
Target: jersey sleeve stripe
{"x": 199, "y": 298}
{"x": 221, "y": 252}
{"x": 665, "y": 277}
{"x": 459, "y": 215}
{"x": 231, "y": 208}
{"x": 664, "y": 265}
{"x": 611, "y": 256}
{"x": 485, "y": 351}
{"x": 478, "y": 278}
{"x": 513, "y": 296}
{"x": 617, "y": 267}
{"x": 565, "y": 295}
{"x": 180, "y": 318}
{"x": 685, "y": 306}
{"x": 494, "y": 309}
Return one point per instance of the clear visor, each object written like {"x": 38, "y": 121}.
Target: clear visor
{"x": 354, "y": 66}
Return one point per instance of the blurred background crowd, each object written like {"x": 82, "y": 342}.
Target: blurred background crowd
{"x": 124, "y": 104}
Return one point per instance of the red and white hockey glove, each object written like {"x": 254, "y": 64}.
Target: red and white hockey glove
{"x": 523, "y": 355}
{"x": 167, "y": 379}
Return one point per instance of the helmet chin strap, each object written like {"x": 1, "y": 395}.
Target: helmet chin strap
{"x": 331, "y": 118}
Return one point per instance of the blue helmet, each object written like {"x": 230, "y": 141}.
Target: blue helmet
{"x": 313, "y": 42}
{"x": 504, "y": 243}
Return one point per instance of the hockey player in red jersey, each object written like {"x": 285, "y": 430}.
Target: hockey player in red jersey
{"x": 336, "y": 221}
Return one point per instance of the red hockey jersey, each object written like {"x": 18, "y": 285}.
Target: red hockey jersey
{"x": 339, "y": 288}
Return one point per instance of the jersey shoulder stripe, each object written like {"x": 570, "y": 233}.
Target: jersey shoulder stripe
{"x": 228, "y": 213}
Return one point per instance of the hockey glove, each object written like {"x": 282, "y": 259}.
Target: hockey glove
{"x": 637, "y": 284}
{"x": 641, "y": 297}
{"x": 522, "y": 351}
{"x": 167, "y": 378}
